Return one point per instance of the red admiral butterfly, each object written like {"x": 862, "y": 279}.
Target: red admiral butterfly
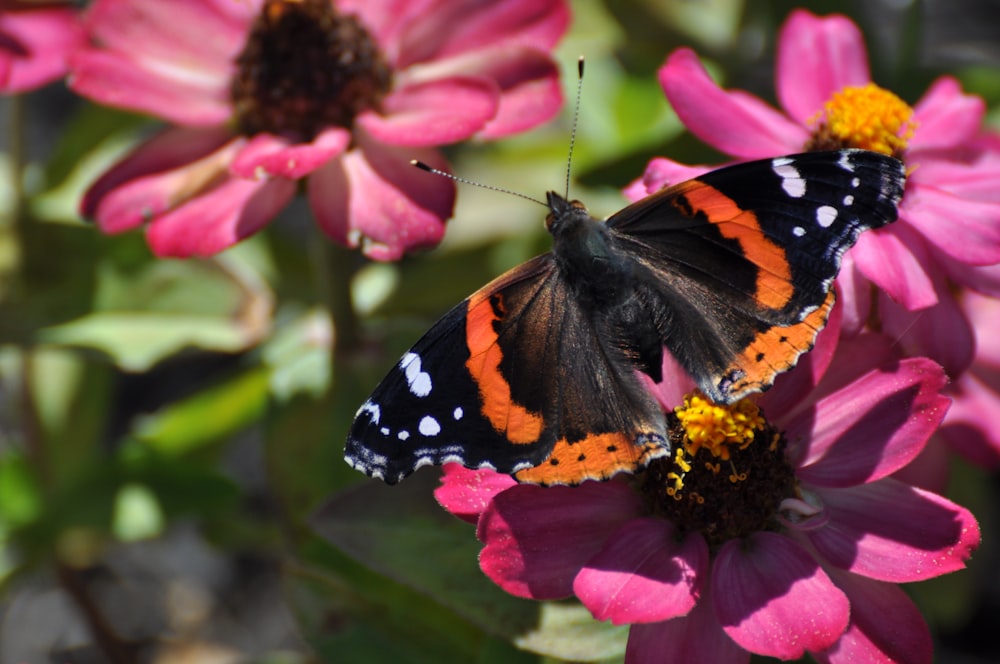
{"x": 534, "y": 374}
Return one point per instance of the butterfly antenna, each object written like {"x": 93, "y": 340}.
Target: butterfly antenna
{"x": 576, "y": 117}
{"x": 437, "y": 171}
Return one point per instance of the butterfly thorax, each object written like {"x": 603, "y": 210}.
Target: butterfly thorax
{"x": 585, "y": 252}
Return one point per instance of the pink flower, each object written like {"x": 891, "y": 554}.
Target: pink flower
{"x": 949, "y": 218}
{"x": 793, "y": 544}
{"x": 342, "y": 94}
{"x": 36, "y": 41}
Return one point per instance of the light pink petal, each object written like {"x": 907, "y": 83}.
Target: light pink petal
{"x": 40, "y": 41}
{"x": 946, "y": 117}
{"x": 975, "y": 179}
{"x": 467, "y": 493}
{"x": 773, "y": 599}
{"x": 433, "y": 113}
{"x": 984, "y": 312}
{"x": 219, "y": 218}
{"x": 895, "y": 260}
{"x": 538, "y": 538}
{"x": 644, "y": 573}
{"x": 373, "y": 198}
{"x": 660, "y": 173}
{"x": 734, "y": 122}
{"x": 200, "y": 37}
{"x": 451, "y": 28}
{"x": 266, "y": 155}
{"x": 115, "y": 81}
{"x": 982, "y": 278}
{"x": 964, "y": 229}
{"x": 886, "y": 626}
{"x": 816, "y": 58}
{"x": 874, "y": 426}
{"x": 854, "y": 296}
{"x": 118, "y": 202}
{"x": 696, "y": 638}
{"x": 890, "y": 531}
{"x": 970, "y": 427}
{"x": 676, "y": 383}
{"x": 941, "y": 332}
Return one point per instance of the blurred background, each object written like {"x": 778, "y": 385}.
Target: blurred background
{"x": 168, "y": 428}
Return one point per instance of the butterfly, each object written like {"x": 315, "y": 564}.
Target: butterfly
{"x": 534, "y": 375}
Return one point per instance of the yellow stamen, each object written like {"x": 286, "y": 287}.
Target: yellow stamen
{"x": 867, "y": 117}
{"x": 718, "y": 428}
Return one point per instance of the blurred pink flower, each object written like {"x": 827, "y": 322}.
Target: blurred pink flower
{"x": 36, "y": 40}
{"x": 793, "y": 544}
{"x": 950, "y": 215}
{"x": 340, "y": 93}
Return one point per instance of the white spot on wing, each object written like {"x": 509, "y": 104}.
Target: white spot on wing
{"x": 385, "y": 431}
{"x": 374, "y": 412}
{"x": 458, "y": 413}
{"x": 429, "y": 426}
{"x": 791, "y": 180}
{"x": 826, "y": 215}
{"x": 798, "y": 231}
{"x": 403, "y": 435}
{"x": 856, "y": 182}
{"x": 848, "y": 200}
{"x": 845, "y": 162}
{"x": 419, "y": 381}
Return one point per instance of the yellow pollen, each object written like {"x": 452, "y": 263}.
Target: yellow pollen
{"x": 867, "y": 117}
{"x": 718, "y": 428}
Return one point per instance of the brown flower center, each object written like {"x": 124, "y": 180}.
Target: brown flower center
{"x": 728, "y": 476}
{"x": 305, "y": 68}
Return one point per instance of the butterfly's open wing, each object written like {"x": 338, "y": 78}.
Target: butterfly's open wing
{"x": 746, "y": 286}
{"x": 515, "y": 379}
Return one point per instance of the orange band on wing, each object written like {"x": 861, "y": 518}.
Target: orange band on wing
{"x": 596, "y": 457}
{"x": 774, "y": 278}
{"x": 514, "y": 421}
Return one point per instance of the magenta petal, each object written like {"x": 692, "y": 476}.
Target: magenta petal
{"x": 434, "y": 113}
{"x": 970, "y": 427}
{"x": 886, "y": 626}
{"x": 41, "y": 41}
{"x": 374, "y": 198}
{"x": 890, "y": 531}
{"x": 734, "y": 122}
{"x": 941, "y": 332}
{"x": 816, "y": 58}
{"x": 266, "y": 155}
{"x": 537, "y": 539}
{"x": 115, "y": 81}
{"x": 219, "y": 218}
{"x": 697, "y": 638}
{"x": 644, "y": 573}
{"x": 874, "y": 426}
{"x": 967, "y": 230}
{"x": 773, "y": 599}
{"x": 895, "y": 260}
{"x": 946, "y": 118}
{"x": 660, "y": 173}
{"x": 467, "y": 493}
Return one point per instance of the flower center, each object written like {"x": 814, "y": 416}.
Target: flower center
{"x": 304, "y": 68}
{"x": 867, "y": 117}
{"x": 728, "y": 476}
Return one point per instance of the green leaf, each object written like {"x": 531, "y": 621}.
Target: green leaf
{"x": 568, "y": 631}
{"x": 299, "y": 356}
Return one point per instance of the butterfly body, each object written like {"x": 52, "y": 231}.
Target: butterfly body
{"x": 535, "y": 374}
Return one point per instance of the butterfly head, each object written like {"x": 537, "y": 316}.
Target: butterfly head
{"x": 561, "y": 210}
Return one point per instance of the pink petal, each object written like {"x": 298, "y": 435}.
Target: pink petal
{"x": 816, "y": 58}
{"x": 194, "y": 35}
{"x": 113, "y": 80}
{"x": 895, "y": 260}
{"x": 941, "y": 332}
{"x": 374, "y": 198}
{"x": 434, "y": 113}
{"x": 662, "y": 173}
{"x": 265, "y": 155}
{"x": 467, "y": 493}
{"x": 854, "y": 296}
{"x": 982, "y": 278}
{"x": 891, "y": 531}
{"x": 218, "y": 218}
{"x": 970, "y": 427}
{"x": 644, "y": 573}
{"x": 694, "y": 639}
{"x": 41, "y": 40}
{"x": 164, "y": 172}
{"x": 773, "y": 599}
{"x": 538, "y": 538}
{"x": 452, "y": 28}
{"x": 676, "y": 383}
{"x": 964, "y": 229}
{"x": 886, "y": 626}
{"x": 946, "y": 117}
{"x": 872, "y": 427}
{"x": 734, "y": 122}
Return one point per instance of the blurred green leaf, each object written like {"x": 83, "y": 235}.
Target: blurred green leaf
{"x": 298, "y": 355}
{"x": 137, "y": 514}
{"x": 20, "y": 498}
{"x": 569, "y": 632}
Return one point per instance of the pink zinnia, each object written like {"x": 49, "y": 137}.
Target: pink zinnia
{"x": 36, "y": 41}
{"x": 340, "y": 93}
{"x": 950, "y": 216}
{"x": 779, "y": 537}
